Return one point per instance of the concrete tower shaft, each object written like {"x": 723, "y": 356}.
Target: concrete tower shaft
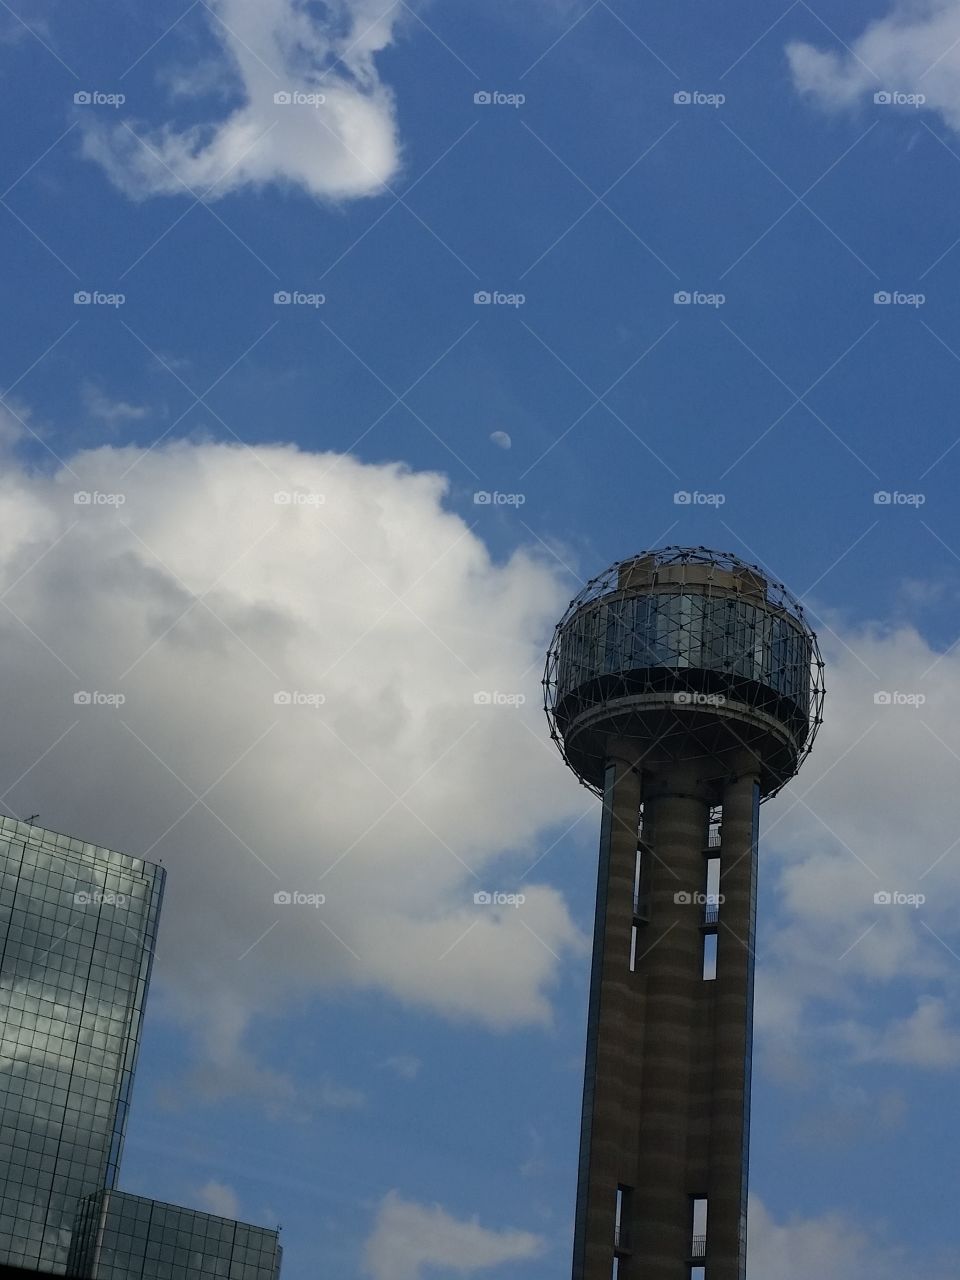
{"x": 683, "y": 688}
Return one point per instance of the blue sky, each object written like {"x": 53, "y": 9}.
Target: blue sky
{"x": 350, "y": 1101}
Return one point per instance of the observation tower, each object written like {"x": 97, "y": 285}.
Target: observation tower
{"x": 682, "y": 687}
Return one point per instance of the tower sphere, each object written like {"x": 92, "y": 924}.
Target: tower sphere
{"x": 695, "y": 655}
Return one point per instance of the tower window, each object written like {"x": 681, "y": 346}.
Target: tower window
{"x": 698, "y": 1237}
{"x": 621, "y": 1228}
{"x": 709, "y": 957}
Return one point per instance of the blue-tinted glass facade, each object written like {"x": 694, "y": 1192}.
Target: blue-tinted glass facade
{"x": 125, "y": 1237}
{"x": 77, "y": 931}
{"x": 686, "y": 630}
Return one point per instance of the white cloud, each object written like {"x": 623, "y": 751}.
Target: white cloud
{"x": 408, "y": 1237}
{"x": 99, "y": 405}
{"x": 923, "y": 1039}
{"x": 405, "y": 1065}
{"x": 200, "y": 598}
{"x": 342, "y": 148}
{"x": 915, "y": 49}
{"x": 218, "y": 1198}
{"x": 868, "y": 813}
{"x": 831, "y": 1247}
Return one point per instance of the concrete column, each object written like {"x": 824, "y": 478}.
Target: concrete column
{"x": 670, "y": 969}
{"x": 607, "y": 1144}
{"x": 733, "y": 1000}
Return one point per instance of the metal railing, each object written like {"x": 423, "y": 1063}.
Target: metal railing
{"x": 711, "y": 913}
{"x": 621, "y": 1239}
{"x": 698, "y": 1247}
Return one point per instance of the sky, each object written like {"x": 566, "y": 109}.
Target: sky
{"x": 345, "y": 341}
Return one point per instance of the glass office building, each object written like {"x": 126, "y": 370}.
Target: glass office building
{"x": 124, "y": 1237}
{"x": 77, "y": 931}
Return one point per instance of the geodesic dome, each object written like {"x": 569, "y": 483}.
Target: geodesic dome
{"x": 692, "y": 653}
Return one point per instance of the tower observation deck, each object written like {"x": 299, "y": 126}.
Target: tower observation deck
{"x": 683, "y": 687}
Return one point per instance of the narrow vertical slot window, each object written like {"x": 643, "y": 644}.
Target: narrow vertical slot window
{"x": 709, "y": 957}
{"x": 711, "y": 907}
{"x": 621, "y": 1229}
{"x": 698, "y": 1236}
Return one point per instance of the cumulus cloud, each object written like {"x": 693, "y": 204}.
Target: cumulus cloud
{"x": 332, "y": 130}
{"x": 830, "y": 1246}
{"x": 105, "y": 408}
{"x": 299, "y": 640}
{"x": 923, "y": 1039}
{"x": 915, "y": 49}
{"x": 217, "y": 1197}
{"x": 408, "y": 1238}
{"x": 867, "y": 815}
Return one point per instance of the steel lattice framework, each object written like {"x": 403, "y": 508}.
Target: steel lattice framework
{"x": 688, "y": 651}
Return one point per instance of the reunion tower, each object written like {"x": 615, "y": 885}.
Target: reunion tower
{"x": 683, "y": 687}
